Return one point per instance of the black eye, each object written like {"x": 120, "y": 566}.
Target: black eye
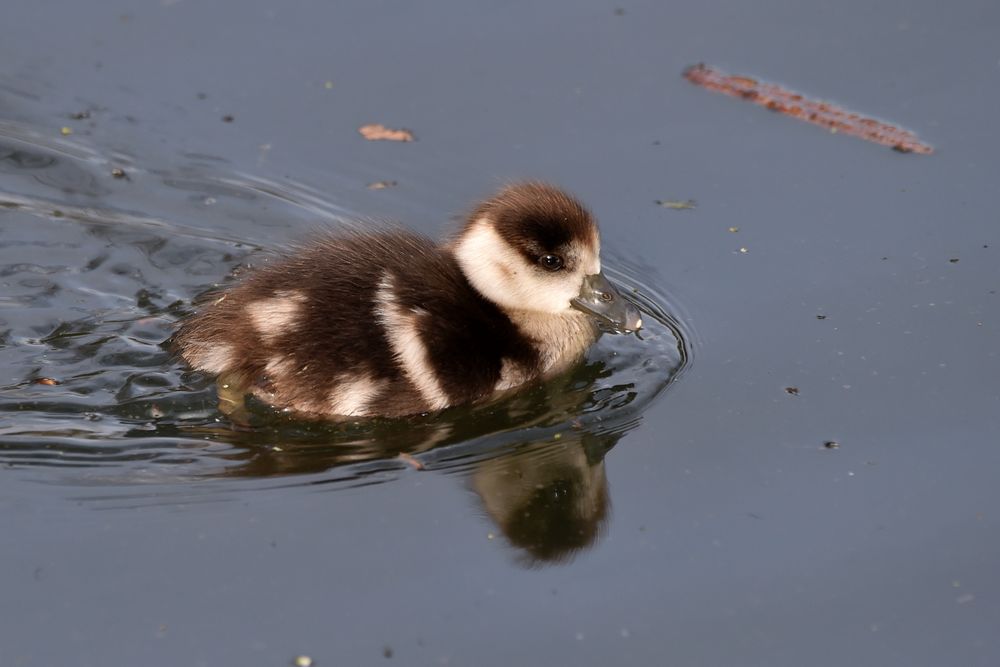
{"x": 551, "y": 262}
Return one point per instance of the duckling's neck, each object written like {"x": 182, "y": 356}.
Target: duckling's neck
{"x": 560, "y": 339}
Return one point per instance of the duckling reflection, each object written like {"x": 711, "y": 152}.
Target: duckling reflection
{"x": 552, "y": 504}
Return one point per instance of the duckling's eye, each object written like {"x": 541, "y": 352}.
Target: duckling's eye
{"x": 551, "y": 262}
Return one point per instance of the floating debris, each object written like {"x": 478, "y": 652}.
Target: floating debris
{"x": 743, "y": 251}
{"x": 66, "y": 131}
{"x": 677, "y": 204}
{"x": 825, "y": 114}
{"x": 821, "y": 317}
{"x": 228, "y": 118}
{"x": 80, "y": 115}
{"x": 378, "y": 132}
{"x": 733, "y": 230}
{"x": 382, "y": 185}
{"x": 953, "y": 260}
{"x": 831, "y": 444}
{"x": 328, "y": 85}
{"x": 794, "y": 391}
{"x": 49, "y": 382}
{"x": 118, "y": 172}
{"x": 302, "y": 661}
{"x": 409, "y": 460}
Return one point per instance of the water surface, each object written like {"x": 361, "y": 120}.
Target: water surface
{"x": 649, "y": 507}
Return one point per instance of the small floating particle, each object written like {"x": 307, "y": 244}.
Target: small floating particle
{"x": 50, "y": 382}
{"x": 118, "y": 172}
{"x": 794, "y": 391}
{"x": 490, "y": 536}
{"x": 387, "y": 652}
{"x": 733, "y": 230}
{"x": 65, "y": 131}
{"x": 831, "y": 444}
{"x": 677, "y": 204}
{"x": 825, "y": 114}
{"x": 953, "y": 260}
{"x": 379, "y": 132}
{"x": 228, "y": 118}
{"x": 409, "y": 460}
{"x": 744, "y": 251}
{"x": 382, "y": 185}
{"x": 302, "y": 661}
{"x": 821, "y": 317}
{"x": 80, "y": 115}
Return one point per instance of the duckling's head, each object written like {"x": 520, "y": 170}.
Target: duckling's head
{"x": 534, "y": 248}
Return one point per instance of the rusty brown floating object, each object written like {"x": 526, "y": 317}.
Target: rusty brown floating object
{"x": 379, "y": 132}
{"x": 774, "y": 97}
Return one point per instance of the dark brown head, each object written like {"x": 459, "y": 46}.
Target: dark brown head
{"x": 532, "y": 247}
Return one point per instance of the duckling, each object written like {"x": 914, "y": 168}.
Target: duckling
{"x": 388, "y": 323}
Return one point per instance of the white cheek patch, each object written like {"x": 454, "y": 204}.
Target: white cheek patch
{"x": 593, "y": 265}
{"x": 503, "y": 276}
{"x": 403, "y": 333}
{"x": 276, "y": 315}
{"x": 590, "y": 257}
{"x": 353, "y": 394}
{"x": 213, "y": 358}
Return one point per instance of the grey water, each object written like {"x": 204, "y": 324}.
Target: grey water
{"x": 794, "y": 463}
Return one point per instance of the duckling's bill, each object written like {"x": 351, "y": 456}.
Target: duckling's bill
{"x": 601, "y": 299}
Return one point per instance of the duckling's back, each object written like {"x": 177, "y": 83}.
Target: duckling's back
{"x": 360, "y": 323}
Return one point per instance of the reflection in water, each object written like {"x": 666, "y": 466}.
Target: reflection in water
{"x": 549, "y": 506}
{"x": 96, "y": 273}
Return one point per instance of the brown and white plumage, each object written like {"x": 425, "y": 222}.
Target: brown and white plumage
{"x": 389, "y": 323}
